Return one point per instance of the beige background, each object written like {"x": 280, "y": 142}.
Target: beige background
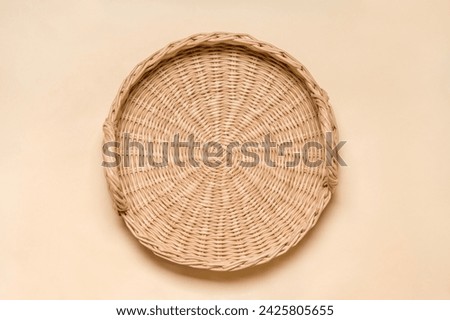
{"x": 385, "y": 65}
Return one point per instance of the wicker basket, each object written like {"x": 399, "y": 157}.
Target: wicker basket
{"x": 220, "y": 215}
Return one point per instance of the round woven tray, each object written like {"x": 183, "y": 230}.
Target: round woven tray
{"x": 220, "y": 214}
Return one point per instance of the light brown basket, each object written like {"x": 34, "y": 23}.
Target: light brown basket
{"x": 221, "y": 87}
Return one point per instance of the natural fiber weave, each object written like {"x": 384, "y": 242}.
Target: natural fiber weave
{"x": 221, "y": 87}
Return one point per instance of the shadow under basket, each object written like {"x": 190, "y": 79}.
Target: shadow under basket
{"x": 217, "y": 151}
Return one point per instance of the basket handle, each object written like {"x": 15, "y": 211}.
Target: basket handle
{"x": 109, "y": 130}
{"x": 329, "y": 130}
{"x": 112, "y": 173}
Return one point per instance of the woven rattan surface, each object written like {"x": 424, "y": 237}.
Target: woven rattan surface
{"x": 221, "y": 88}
